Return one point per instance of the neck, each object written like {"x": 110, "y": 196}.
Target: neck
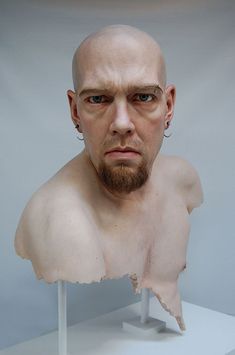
{"x": 123, "y": 197}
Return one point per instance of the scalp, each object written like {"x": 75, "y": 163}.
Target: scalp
{"x": 117, "y": 39}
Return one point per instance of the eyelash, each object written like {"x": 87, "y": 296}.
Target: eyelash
{"x": 153, "y": 97}
{"x": 98, "y": 103}
{"x": 107, "y": 99}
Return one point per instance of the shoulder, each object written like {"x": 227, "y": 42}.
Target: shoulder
{"x": 57, "y": 232}
{"x": 182, "y": 170}
{"x": 51, "y": 208}
{"x": 185, "y": 178}
{"x": 51, "y": 195}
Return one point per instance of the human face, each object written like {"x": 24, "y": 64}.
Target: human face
{"x": 122, "y": 110}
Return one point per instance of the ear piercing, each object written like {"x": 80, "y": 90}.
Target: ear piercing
{"x": 79, "y": 138}
{"x": 167, "y": 126}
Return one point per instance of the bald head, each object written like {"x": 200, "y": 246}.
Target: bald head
{"x": 118, "y": 41}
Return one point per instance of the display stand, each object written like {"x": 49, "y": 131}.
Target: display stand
{"x": 139, "y": 325}
{"x": 62, "y": 318}
{"x": 144, "y": 305}
{"x": 144, "y": 325}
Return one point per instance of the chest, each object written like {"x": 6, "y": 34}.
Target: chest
{"x": 127, "y": 238}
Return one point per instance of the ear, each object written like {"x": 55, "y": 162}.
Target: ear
{"x": 170, "y": 102}
{"x": 73, "y": 109}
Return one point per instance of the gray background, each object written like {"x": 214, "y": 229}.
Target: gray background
{"x": 37, "y": 41}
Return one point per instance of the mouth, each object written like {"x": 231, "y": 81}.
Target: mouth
{"x": 122, "y": 153}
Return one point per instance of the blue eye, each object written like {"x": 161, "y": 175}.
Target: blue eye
{"x": 96, "y": 99}
{"x": 144, "y": 97}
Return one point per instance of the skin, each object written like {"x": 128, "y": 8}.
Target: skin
{"x": 76, "y": 229}
{"x": 130, "y": 64}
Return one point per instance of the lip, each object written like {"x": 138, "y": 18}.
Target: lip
{"x": 122, "y": 150}
{"x": 122, "y": 153}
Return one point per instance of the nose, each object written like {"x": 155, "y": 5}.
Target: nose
{"x": 122, "y": 123}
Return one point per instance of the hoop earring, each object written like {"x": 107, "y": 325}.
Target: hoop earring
{"x": 79, "y": 138}
{"x": 168, "y": 136}
{"x": 168, "y": 125}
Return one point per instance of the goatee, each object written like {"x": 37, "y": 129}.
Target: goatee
{"x": 123, "y": 178}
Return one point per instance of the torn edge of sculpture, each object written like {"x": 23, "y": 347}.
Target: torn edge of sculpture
{"x": 65, "y": 240}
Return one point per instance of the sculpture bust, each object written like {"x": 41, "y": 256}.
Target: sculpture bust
{"x": 120, "y": 207}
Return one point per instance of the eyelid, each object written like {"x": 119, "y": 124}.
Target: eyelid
{"x": 143, "y": 93}
{"x": 105, "y": 97}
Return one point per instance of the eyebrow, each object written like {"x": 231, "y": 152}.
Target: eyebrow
{"x": 138, "y": 88}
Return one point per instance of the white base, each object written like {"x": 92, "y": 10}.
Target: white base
{"x": 207, "y": 332}
{"x": 151, "y": 327}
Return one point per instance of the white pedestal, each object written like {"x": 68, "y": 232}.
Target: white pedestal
{"x": 62, "y": 318}
{"x": 144, "y": 325}
{"x": 150, "y": 327}
{"x": 207, "y": 333}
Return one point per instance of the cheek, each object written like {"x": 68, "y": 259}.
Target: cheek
{"x": 94, "y": 136}
{"x": 152, "y": 120}
{"x": 152, "y": 130}
{"x": 95, "y": 126}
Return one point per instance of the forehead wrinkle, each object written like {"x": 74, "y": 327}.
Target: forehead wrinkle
{"x": 111, "y": 90}
{"x": 94, "y": 42}
{"x": 112, "y": 86}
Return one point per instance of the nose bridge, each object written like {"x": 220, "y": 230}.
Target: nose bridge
{"x": 122, "y": 122}
{"x": 121, "y": 109}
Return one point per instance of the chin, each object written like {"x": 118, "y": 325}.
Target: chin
{"x": 123, "y": 178}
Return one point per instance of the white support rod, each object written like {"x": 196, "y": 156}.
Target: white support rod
{"x": 62, "y": 318}
{"x": 144, "y": 305}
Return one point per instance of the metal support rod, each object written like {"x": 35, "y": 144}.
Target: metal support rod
{"x": 62, "y": 318}
{"x": 144, "y": 305}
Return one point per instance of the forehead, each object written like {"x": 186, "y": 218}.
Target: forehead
{"x": 118, "y": 63}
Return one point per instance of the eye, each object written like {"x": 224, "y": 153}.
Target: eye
{"x": 97, "y": 99}
{"x": 144, "y": 97}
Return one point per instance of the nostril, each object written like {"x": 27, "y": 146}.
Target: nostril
{"x": 122, "y": 132}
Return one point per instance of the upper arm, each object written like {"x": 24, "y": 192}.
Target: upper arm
{"x": 193, "y": 189}
{"x": 56, "y": 233}
{"x": 189, "y": 183}
{"x": 31, "y": 220}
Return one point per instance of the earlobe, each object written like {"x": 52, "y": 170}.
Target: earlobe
{"x": 73, "y": 109}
